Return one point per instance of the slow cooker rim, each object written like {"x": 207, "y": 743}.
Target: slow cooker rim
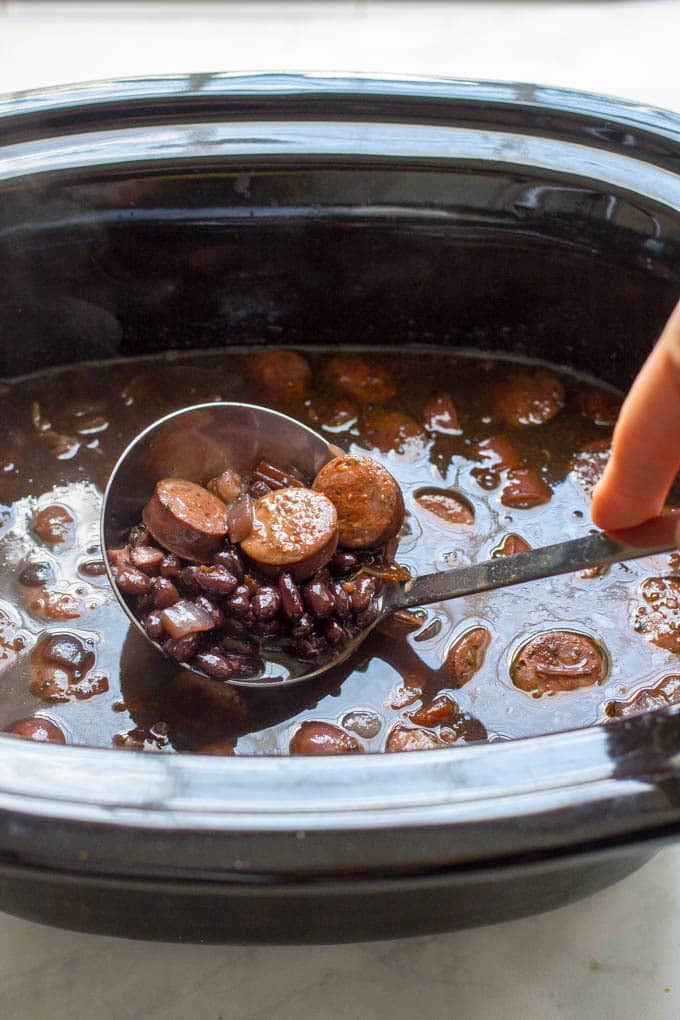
{"x": 630, "y": 764}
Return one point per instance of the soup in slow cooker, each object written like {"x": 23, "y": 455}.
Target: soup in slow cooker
{"x": 492, "y": 456}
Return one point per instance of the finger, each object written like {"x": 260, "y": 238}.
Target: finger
{"x": 646, "y": 444}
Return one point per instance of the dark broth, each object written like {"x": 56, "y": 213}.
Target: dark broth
{"x": 64, "y": 429}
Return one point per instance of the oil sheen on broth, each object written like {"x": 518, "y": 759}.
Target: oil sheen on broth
{"x": 492, "y": 456}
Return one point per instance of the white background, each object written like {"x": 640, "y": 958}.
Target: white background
{"x": 615, "y": 956}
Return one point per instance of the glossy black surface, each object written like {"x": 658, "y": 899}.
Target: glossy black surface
{"x": 496, "y": 216}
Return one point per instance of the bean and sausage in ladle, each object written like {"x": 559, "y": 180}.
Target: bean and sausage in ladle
{"x": 222, "y": 573}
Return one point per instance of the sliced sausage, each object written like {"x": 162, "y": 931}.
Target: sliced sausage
{"x": 448, "y": 506}
{"x": 658, "y": 614}
{"x": 510, "y": 546}
{"x": 466, "y": 655}
{"x": 497, "y": 453}
{"x": 601, "y": 406}
{"x": 186, "y": 519}
{"x": 403, "y": 739}
{"x": 524, "y": 398}
{"x": 665, "y": 692}
{"x": 295, "y": 530}
{"x": 440, "y": 415}
{"x": 559, "y": 660}
{"x": 367, "y": 499}
{"x": 315, "y": 737}
{"x": 434, "y": 712}
{"x": 392, "y": 431}
{"x": 284, "y": 374}
{"x": 218, "y": 747}
{"x": 38, "y": 729}
{"x": 587, "y": 466}
{"x": 54, "y": 525}
{"x": 333, "y": 414}
{"x": 362, "y": 378}
{"x": 525, "y": 489}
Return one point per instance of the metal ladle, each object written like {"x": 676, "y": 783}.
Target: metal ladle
{"x": 200, "y": 442}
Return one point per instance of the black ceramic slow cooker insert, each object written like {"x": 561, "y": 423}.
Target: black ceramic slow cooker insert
{"x": 534, "y": 221}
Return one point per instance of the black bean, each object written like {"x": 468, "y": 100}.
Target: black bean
{"x": 217, "y": 580}
{"x": 303, "y": 626}
{"x": 367, "y": 616}
{"x": 309, "y": 647}
{"x": 235, "y": 627}
{"x": 239, "y": 603}
{"x": 333, "y": 632}
{"x": 35, "y": 575}
{"x": 319, "y": 598}
{"x": 266, "y": 628}
{"x": 181, "y": 649}
{"x": 343, "y": 603}
{"x": 363, "y": 589}
{"x": 211, "y": 607}
{"x": 344, "y": 562}
{"x": 215, "y": 663}
{"x": 266, "y": 603}
{"x": 171, "y": 565}
{"x": 164, "y": 593}
{"x": 257, "y": 489}
{"x": 230, "y": 559}
{"x": 154, "y": 627}
{"x": 291, "y": 599}
{"x": 138, "y": 536}
{"x": 188, "y": 577}
{"x": 243, "y": 666}
{"x": 132, "y": 581}
{"x": 144, "y": 603}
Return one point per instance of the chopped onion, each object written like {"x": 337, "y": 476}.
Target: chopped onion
{"x": 240, "y": 518}
{"x": 275, "y": 477}
{"x": 185, "y": 618}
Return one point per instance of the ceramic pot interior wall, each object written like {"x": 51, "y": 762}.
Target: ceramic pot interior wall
{"x": 104, "y": 266}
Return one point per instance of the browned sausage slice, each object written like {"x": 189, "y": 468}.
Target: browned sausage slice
{"x": 403, "y": 739}
{"x": 440, "y": 415}
{"x": 294, "y": 530}
{"x": 466, "y": 655}
{"x": 367, "y": 498}
{"x": 527, "y": 398}
{"x": 284, "y": 374}
{"x": 497, "y": 453}
{"x": 448, "y": 506}
{"x": 186, "y": 519}
{"x": 316, "y": 737}
{"x": 559, "y": 660}
{"x": 601, "y": 406}
{"x": 525, "y": 489}
{"x": 392, "y": 431}
{"x": 362, "y": 378}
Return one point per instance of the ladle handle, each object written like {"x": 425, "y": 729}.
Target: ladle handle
{"x": 596, "y": 549}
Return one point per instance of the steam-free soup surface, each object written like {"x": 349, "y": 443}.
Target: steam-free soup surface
{"x": 493, "y": 457}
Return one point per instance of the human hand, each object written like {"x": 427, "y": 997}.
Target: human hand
{"x": 646, "y": 444}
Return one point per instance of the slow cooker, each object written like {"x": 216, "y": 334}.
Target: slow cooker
{"x": 347, "y": 210}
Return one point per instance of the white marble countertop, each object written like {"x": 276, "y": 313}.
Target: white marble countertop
{"x": 611, "y": 957}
